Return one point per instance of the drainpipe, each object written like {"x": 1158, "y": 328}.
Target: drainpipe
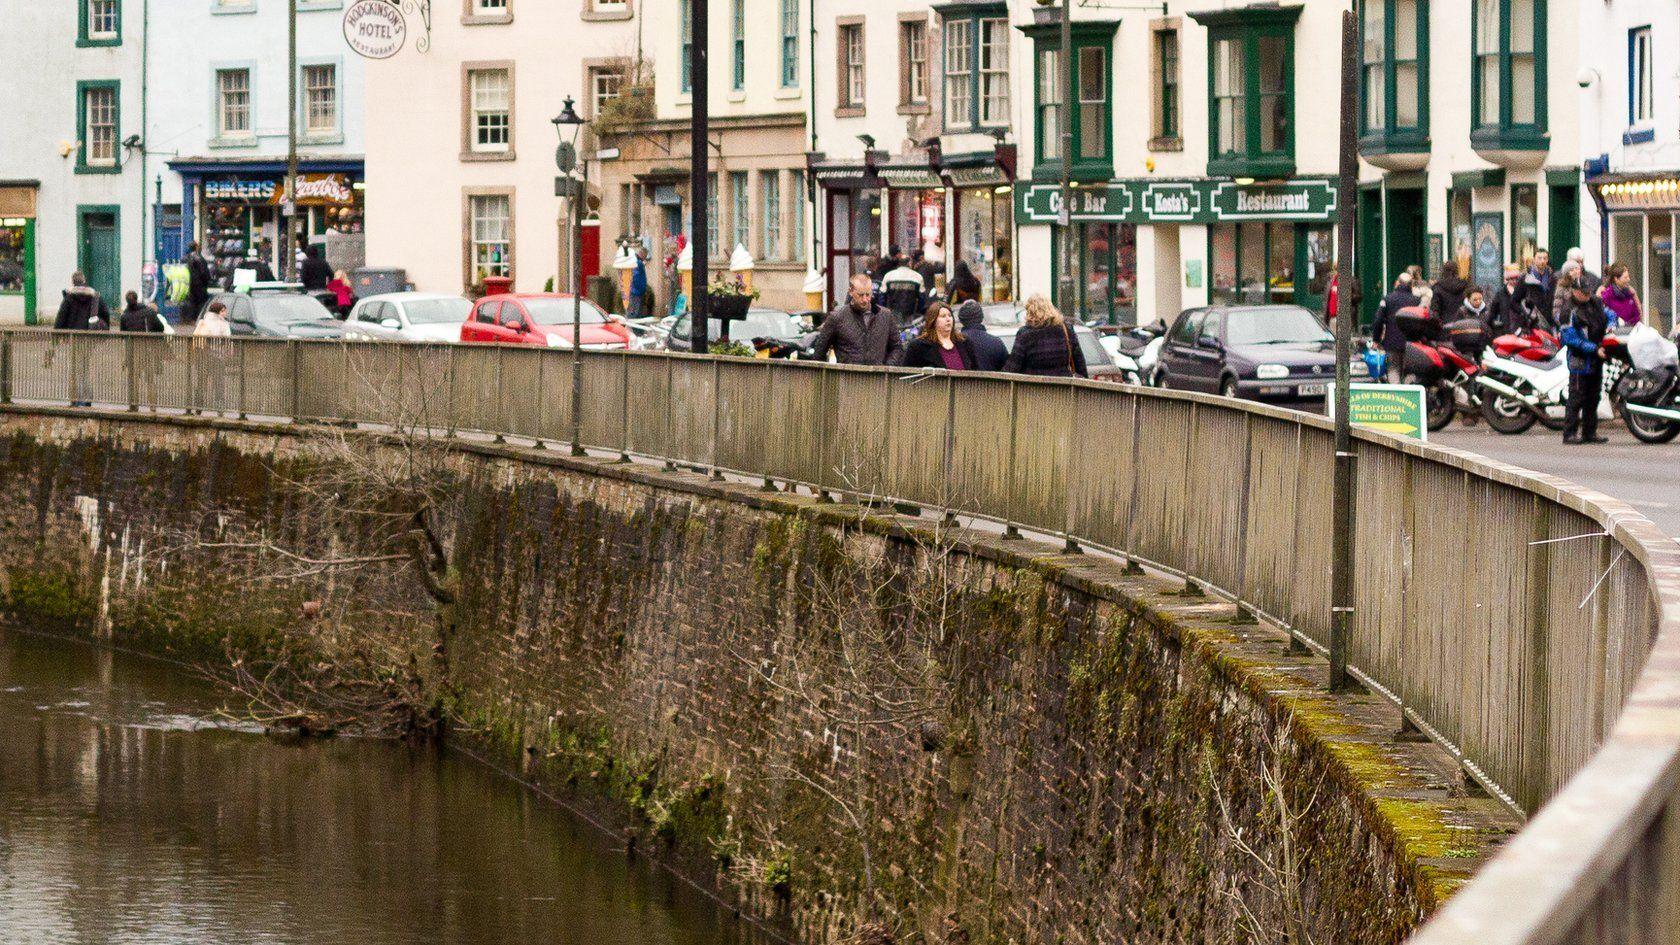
{"x": 145, "y": 129}
{"x": 288, "y": 210}
{"x": 1069, "y": 250}
{"x": 811, "y": 228}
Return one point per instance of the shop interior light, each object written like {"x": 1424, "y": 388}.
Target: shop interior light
{"x": 1244, "y": 181}
{"x": 359, "y": 185}
{"x": 1004, "y": 189}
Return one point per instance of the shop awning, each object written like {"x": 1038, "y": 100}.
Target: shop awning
{"x": 1644, "y": 191}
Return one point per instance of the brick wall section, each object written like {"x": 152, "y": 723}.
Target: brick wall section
{"x": 839, "y": 718}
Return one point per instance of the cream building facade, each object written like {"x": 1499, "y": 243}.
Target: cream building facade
{"x": 460, "y": 135}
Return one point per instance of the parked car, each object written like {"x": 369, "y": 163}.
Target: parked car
{"x": 543, "y": 319}
{"x": 278, "y": 315}
{"x": 767, "y": 324}
{"x": 1004, "y": 319}
{"x": 1254, "y": 351}
{"x": 408, "y": 316}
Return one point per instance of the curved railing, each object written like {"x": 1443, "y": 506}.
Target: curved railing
{"x": 1531, "y": 627}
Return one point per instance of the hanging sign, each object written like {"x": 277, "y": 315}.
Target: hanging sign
{"x": 1400, "y": 409}
{"x": 375, "y": 29}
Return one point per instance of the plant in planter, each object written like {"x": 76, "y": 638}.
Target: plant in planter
{"x": 734, "y": 349}
{"x": 730, "y": 298}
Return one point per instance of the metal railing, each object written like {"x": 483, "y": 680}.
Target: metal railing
{"x": 1531, "y": 627}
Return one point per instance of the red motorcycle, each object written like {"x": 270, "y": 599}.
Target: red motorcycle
{"x": 1444, "y": 361}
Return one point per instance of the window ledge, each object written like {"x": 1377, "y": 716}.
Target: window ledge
{"x": 1166, "y": 143}
{"x": 323, "y": 138}
{"x": 1511, "y": 146}
{"x": 479, "y": 157}
{"x": 1644, "y": 135}
{"x": 915, "y": 109}
{"x": 490, "y": 19}
{"x": 1085, "y": 173}
{"x": 305, "y": 6}
{"x": 97, "y": 42}
{"x": 606, "y": 16}
{"x": 231, "y": 9}
{"x": 1260, "y": 168}
{"x": 787, "y": 93}
{"x": 736, "y": 95}
{"x": 98, "y": 169}
{"x": 247, "y": 141}
{"x": 849, "y": 111}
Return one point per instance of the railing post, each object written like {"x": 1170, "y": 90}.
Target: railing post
{"x": 947, "y": 488}
{"x": 131, "y": 385}
{"x": 542, "y": 401}
{"x": 624, "y": 413}
{"x": 878, "y": 490}
{"x": 451, "y": 422}
{"x": 501, "y": 374}
{"x": 192, "y": 375}
{"x": 769, "y": 386}
{"x": 243, "y": 403}
{"x": 1010, "y": 508}
{"x": 5, "y": 367}
{"x": 823, "y": 493}
{"x": 297, "y": 382}
{"x": 1069, "y": 546}
{"x": 670, "y": 382}
{"x": 717, "y": 411}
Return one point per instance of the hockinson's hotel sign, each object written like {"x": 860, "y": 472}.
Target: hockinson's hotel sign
{"x": 1148, "y": 200}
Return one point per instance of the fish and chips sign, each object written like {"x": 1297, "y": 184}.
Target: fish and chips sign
{"x": 1397, "y": 409}
{"x": 375, "y": 29}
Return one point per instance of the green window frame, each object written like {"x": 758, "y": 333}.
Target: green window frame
{"x": 976, "y": 66}
{"x": 1251, "y": 91}
{"x": 1508, "y": 75}
{"x": 790, "y": 44}
{"x": 685, "y": 43}
{"x": 1093, "y": 117}
{"x": 88, "y": 12}
{"x": 83, "y": 90}
{"x": 1394, "y": 76}
{"x": 1167, "y": 83}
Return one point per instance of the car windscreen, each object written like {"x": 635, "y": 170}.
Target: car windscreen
{"x": 1090, "y": 346}
{"x": 289, "y": 309}
{"x": 559, "y": 312}
{"x": 437, "y": 311}
{"x": 759, "y": 323}
{"x": 1273, "y": 326}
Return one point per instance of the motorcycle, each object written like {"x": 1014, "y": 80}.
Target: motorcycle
{"x": 1445, "y": 362}
{"x": 1137, "y": 351}
{"x": 1527, "y": 376}
{"x": 1651, "y": 392}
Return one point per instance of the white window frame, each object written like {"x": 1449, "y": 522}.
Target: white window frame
{"x": 740, "y": 210}
{"x": 308, "y": 99}
{"x": 99, "y": 133}
{"x": 224, "y": 128}
{"x": 770, "y": 214}
{"x": 599, "y": 95}
{"x": 915, "y": 38}
{"x": 113, "y": 10}
{"x": 490, "y": 7}
{"x": 959, "y": 71}
{"x": 1642, "y": 102}
{"x": 483, "y": 234}
{"x": 482, "y": 116}
{"x": 852, "y": 36}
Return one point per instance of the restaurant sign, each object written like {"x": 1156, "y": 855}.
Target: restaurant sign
{"x": 1181, "y": 201}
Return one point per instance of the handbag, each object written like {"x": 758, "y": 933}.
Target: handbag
{"x": 1068, "y": 334}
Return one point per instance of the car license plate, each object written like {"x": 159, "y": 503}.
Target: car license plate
{"x": 1312, "y": 390}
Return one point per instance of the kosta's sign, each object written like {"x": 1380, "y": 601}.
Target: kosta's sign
{"x": 375, "y": 29}
{"x": 1311, "y": 200}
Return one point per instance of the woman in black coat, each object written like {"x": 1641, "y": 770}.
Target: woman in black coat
{"x": 1045, "y": 346}
{"x": 940, "y": 344}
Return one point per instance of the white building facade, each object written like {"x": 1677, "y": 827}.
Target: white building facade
{"x": 1630, "y": 111}
{"x": 219, "y": 124}
{"x": 460, "y": 132}
{"x": 72, "y": 155}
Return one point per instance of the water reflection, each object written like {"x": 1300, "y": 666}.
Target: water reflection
{"x": 128, "y": 814}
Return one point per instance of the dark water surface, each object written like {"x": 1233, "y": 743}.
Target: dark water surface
{"x": 129, "y": 814}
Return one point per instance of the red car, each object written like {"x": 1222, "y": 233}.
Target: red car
{"x": 545, "y": 318}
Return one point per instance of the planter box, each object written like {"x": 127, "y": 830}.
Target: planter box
{"x": 733, "y": 307}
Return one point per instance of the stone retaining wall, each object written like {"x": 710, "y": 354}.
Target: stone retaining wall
{"x": 848, "y": 720}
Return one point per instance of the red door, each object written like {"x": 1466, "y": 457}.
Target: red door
{"x": 591, "y": 250}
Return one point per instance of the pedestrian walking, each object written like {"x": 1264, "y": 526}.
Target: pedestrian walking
{"x": 315, "y": 272}
{"x": 1475, "y": 304}
{"x": 1620, "y": 299}
{"x": 1540, "y": 272}
{"x": 198, "y": 283}
{"x": 140, "y": 316}
{"x": 940, "y": 343}
{"x": 964, "y": 286}
{"x": 638, "y": 284}
{"x": 858, "y": 331}
{"x": 1583, "y": 337}
{"x": 1505, "y": 313}
{"x": 342, "y": 293}
{"x": 1386, "y": 331}
{"x": 989, "y": 351}
{"x": 82, "y": 309}
{"x": 213, "y": 323}
{"x": 1448, "y": 296}
{"x": 1420, "y": 285}
{"x": 212, "y": 354}
{"x": 1045, "y": 346}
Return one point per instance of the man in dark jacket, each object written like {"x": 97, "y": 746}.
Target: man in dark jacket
{"x": 1386, "y": 332}
{"x": 315, "y": 273}
{"x": 1583, "y": 337}
{"x": 1448, "y": 295}
{"x": 858, "y": 331}
{"x": 1506, "y": 314}
{"x": 989, "y": 352}
{"x": 198, "y": 284}
{"x": 82, "y": 306}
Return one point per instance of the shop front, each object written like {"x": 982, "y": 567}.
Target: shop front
{"x": 1252, "y": 244}
{"x": 982, "y": 230}
{"x": 853, "y": 202}
{"x": 1643, "y": 213}
{"x": 17, "y": 252}
{"x": 233, "y": 208}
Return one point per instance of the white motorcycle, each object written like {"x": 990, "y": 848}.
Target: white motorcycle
{"x": 1137, "y": 351}
{"x": 1527, "y": 379}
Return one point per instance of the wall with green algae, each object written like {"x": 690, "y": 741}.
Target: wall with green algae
{"x": 844, "y": 720}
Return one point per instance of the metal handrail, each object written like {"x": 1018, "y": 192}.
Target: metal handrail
{"x": 1530, "y": 626}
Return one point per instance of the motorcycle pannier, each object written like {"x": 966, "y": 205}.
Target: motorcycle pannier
{"x": 1468, "y": 335}
{"x": 1417, "y": 323}
{"x": 1647, "y": 387}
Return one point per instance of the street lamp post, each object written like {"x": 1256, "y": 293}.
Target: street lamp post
{"x": 566, "y": 158}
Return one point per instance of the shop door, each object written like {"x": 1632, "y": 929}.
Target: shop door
{"x": 98, "y": 254}
{"x": 1406, "y": 237}
{"x": 591, "y": 250}
{"x": 1564, "y": 228}
{"x": 1374, "y": 272}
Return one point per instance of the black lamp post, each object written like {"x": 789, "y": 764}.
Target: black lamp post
{"x": 569, "y": 122}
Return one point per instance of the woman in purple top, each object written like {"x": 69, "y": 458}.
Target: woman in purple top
{"x": 940, "y": 344}
{"x": 1620, "y": 300}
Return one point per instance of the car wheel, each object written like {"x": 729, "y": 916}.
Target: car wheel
{"x": 1228, "y": 387}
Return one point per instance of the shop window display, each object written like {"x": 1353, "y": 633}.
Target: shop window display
{"x": 1269, "y": 263}
{"x": 13, "y": 254}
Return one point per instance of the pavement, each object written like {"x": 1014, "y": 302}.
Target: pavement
{"x": 1644, "y": 476}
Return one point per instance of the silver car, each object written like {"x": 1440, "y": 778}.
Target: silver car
{"x": 408, "y": 316}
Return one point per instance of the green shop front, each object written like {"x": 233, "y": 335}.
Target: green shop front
{"x": 17, "y": 251}
{"x": 1207, "y": 241}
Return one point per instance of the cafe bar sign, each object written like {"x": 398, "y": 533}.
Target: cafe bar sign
{"x": 1310, "y": 200}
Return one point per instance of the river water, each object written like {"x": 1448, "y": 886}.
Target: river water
{"x": 130, "y": 814}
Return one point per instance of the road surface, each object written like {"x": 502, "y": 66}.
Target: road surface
{"x": 1645, "y": 477}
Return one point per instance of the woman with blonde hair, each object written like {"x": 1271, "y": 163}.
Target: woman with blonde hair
{"x": 1045, "y": 346}
{"x": 940, "y": 344}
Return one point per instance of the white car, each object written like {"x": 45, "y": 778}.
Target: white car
{"x": 408, "y": 316}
